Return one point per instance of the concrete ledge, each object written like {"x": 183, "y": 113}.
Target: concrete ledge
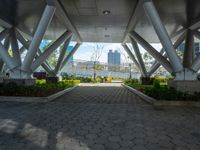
{"x": 146, "y": 98}
{"x": 163, "y": 103}
{"x": 36, "y": 99}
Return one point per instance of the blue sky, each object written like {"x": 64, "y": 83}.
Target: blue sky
{"x": 86, "y": 49}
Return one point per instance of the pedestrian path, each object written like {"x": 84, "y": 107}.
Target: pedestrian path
{"x": 97, "y": 117}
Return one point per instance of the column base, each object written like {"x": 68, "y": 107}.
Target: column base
{"x": 185, "y": 86}
{"x": 186, "y": 75}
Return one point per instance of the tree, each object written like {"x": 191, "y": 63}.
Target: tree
{"x": 97, "y": 52}
{"x": 147, "y": 59}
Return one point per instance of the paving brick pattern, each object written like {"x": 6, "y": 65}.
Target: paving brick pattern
{"x": 98, "y": 118}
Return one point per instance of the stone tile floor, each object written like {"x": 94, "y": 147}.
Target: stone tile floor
{"x": 98, "y": 117}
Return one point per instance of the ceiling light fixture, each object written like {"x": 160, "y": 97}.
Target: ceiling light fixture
{"x": 106, "y": 12}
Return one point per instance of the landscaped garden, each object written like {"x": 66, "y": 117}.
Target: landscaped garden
{"x": 160, "y": 91}
{"x": 40, "y": 89}
{"x": 87, "y": 79}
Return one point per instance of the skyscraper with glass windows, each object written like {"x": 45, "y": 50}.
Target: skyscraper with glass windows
{"x": 114, "y": 60}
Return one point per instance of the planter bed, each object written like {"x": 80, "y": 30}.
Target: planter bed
{"x": 161, "y": 103}
{"x": 36, "y": 99}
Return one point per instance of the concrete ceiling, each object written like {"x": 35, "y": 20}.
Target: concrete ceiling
{"x": 92, "y": 25}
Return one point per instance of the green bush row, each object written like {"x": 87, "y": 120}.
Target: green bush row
{"x": 41, "y": 89}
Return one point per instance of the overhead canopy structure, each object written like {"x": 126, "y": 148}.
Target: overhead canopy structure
{"x": 100, "y": 20}
{"x": 169, "y": 22}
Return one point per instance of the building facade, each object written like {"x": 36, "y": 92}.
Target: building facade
{"x": 114, "y": 60}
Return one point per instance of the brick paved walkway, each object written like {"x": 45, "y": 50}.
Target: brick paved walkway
{"x": 97, "y": 118}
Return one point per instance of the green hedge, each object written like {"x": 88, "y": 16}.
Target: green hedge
{"x": 41, "y": 89}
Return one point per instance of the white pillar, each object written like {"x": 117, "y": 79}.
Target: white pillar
{"x": 130, "y": 54}
{"x": 154, "y": 17}
{"x": 189, "y": 49}
{"x": 139, "y": 57}
{"x": 177, "y": 43}
{"x": 62, "y": 55}
{"x": 50, "y": 49}
{"x": 39, "y": 33}
{"x": 26, "y": 46}
{"x": 162, "y": 60}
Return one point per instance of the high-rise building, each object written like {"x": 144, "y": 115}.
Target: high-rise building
{"x": 69, "y": 49}
{"x": 114, "y": 60}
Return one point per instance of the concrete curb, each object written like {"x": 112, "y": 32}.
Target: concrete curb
{"x": 146, "y": 98}
{"x": 162, "y": 103}
{"x": 36, "y": 99}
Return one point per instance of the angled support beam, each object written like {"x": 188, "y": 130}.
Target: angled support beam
{"x": 6, "y": 58}
{"x": 3, "y": 34}
{"x": 139, "y": 57}
{"x": 178, "y": 42}
{"x": 161, "y": 31}
{"x": 189, "y": 49}
{"x": 62, "y": 15}
{"x": 5, "y": 24}
{"x": 45, "y": 66}
{"x": 173, "y": 34}
{"x": 162, "y": 60}
{"x": 50, "y": 49}
{"x": 26, "y": 46}
{"x": 62, "y": 55}
{"x": 137, "y": 14}
{"x": 15, "y": 47}
{"x": 66, "y": 59}
{"x": 6, "y": 45}
{"x": 195, "y": 25}
{"x": 126, "y": 48}
{"x": 197, "y": 34}
{"x": 39, "y": 33}
{"x": 45, "y": 62}
{"x": 22, "y": 50}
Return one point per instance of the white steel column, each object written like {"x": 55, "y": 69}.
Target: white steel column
{"x": 154, "y": 17}
{"x": 178, "y": 42}
{"x": 15, "y": 47}
{"x": 39, "y": 33}
{"x": 130, "y": 54}
{"x": 50, "y": 49}
{"x": 26, "y": 46}
{"x": 189, "y": 49}
{"x": 139, "y": 57}
{"x": 62, "y": 55}
{"x": 70, "y": 55}
{"x": 162, "y": 60}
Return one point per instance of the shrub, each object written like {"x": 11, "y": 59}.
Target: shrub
{"x": 156, "y": 84}
{"x": 131, "y": 81}
{"x": 40, "y": 89}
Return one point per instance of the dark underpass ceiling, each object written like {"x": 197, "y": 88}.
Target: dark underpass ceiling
{"x": 91, "y": 22}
